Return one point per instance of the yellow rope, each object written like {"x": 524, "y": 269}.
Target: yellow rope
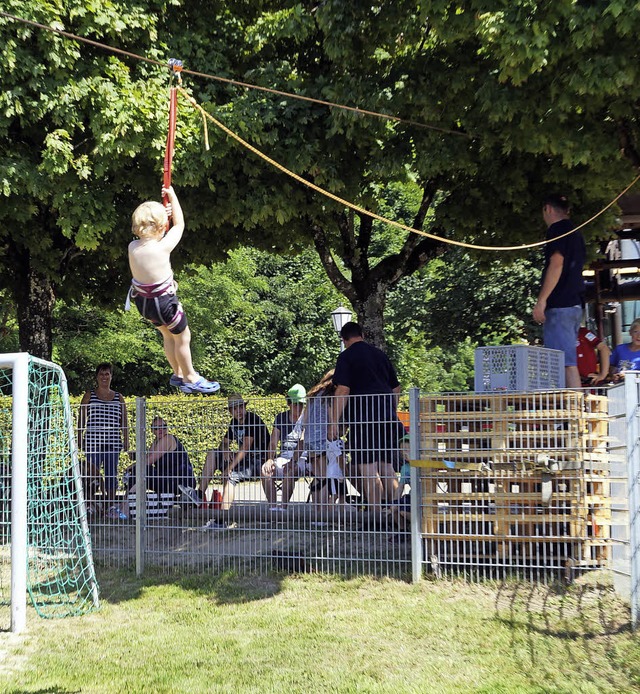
{"x": 391, "y": 222}
{"x": 286, "y": 171}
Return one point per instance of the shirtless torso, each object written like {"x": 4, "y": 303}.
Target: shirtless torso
{"x": 150, "y": 259}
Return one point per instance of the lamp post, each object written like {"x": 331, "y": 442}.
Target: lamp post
{"x": 340, "y": 317}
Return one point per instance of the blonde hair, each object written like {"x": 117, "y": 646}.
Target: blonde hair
{"x": 635, "y": 324}
{"x": 149, "y": 219}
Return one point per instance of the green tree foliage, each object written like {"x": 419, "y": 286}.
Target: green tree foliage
{"x": 539, "y": 96}
{"x": 80, "y": 137}
{"x": 492, "y": 77}
{"x": 8, "y": 323}
{"x": 440, "y": 314}
{"x": 259, "y": 322}
{"x": 490, "y": 304}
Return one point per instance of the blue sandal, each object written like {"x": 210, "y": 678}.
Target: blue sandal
{"x": 200, "y": 386}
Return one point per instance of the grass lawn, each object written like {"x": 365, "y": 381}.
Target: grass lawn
{"x": 314, "y": 633}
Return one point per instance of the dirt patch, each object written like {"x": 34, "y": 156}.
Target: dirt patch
{"x": 255, "y": 539}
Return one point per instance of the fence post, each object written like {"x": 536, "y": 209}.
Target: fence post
{"x": 632, "y": 413}
{"x": 416, "y": 486}
{"x": 19, "y": 467}
{"x": 141, "y": 482}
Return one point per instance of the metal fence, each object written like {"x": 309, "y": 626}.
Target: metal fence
{"x": 339, "y": 512}
{"x": 501, "y": 484}
{"x": 625, "y": 444}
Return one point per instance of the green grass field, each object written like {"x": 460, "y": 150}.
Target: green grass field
{"x": 314, "y": 633}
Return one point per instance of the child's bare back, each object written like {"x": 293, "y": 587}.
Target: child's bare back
{"x": 149, "y": 260}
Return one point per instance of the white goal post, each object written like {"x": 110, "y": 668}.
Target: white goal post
{"x": 50, "y": 546}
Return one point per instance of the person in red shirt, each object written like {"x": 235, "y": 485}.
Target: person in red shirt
{"x": 593, "y": 358}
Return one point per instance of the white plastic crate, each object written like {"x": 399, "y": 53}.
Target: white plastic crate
{"x": 156, "y": 508}
{"x": 518, "y": 368}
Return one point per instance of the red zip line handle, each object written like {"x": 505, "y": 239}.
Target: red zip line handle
{"x": 176, "y": 67}
{"x": 171, "y": 137}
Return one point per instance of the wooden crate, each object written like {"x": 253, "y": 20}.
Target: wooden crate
{"x": 544, "y": 489}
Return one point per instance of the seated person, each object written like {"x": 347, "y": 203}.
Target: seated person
{"x": 323, "y": 456}
{"x": 92, "y": 487}
{"x": 626, "y": 357}
{"x": 400, "y": 509}
{"x": 168, "y": 464}
{"x": 288, "y": 429}
{"x": 250, "y": 434}
{"x": 316, "y": 420}
{"x": 168, "y": 467}
{"x": 594, "y": 358}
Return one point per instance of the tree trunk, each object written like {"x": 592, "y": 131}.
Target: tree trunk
{"x": 369, "y": 307}
{"x": 35, "y": 298}
{"x": 364, "y": 286}
{"x": 627, "y": 142}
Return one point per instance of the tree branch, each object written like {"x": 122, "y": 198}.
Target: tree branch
{"x": 347, "y": 234}
{"x": 339, "y": 281}
{"x": 428, "y": 193}
{"x": 416, "y": 250}
{"x": 361, "y": 268}
{"x": 393, "y": 268}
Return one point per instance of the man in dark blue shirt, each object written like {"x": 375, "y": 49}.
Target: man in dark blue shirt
{"x": 366, "y": 401}
{"x": 249, "y": 432}
{"x": 559, "y": 305}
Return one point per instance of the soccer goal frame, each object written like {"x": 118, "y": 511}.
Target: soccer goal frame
{"x": 71, "y": 566}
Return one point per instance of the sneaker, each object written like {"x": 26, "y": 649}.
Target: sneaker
{"x": 214, "y": 525}
{"x": 175, "y": 381}
{"x": 116, "y": 514}
{"x": 200, "y": 386}
{"x": 192, "y": 495}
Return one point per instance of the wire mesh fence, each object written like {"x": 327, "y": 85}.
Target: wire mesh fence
{"x": 253, "y": 486}
{"x": 619, "y": 489}
{"x": 539, "y": 485}
{"x": 516, "y": 483}
{"x": 507, "y": 484}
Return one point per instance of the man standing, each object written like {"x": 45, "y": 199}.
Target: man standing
{"x": 559, "y": 305}
{"x": 366, "y": 400}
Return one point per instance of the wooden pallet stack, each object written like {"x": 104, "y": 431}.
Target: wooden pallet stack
{"x": 518, "y": 478}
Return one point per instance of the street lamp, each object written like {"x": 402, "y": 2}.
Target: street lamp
{"x": 340, "y": 317}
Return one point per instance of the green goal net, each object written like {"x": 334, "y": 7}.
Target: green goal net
{"x": 43, "y": 524}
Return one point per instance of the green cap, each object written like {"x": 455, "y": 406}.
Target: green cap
{"x": 297, "y": 394}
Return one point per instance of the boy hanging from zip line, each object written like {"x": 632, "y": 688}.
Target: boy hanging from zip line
{"x": 153, "y": 288}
